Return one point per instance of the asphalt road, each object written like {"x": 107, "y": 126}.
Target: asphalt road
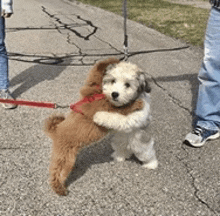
{"x": 52, "y": 45}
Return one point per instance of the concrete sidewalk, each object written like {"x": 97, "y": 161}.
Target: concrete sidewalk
{"x": 52, "y": 45}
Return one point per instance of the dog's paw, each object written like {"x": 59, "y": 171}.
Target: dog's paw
{"x": 118, "y": 158}
{"x": 99, "y": 118}
{"x": 60, "y": 189}
{"x": 138, "y": 105}
{"x": 150, "y": 165}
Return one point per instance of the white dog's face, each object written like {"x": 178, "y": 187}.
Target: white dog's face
{"x": 123, "y": 83}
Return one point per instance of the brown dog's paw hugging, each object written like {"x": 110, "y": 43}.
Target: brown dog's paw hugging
{"x": 52, "y": 122}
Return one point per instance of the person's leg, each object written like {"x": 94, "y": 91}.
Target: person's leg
{"x": 208, "y": 105}
{"x": 4, "y": 82}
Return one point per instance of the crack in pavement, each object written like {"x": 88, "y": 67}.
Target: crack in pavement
{"x": 69, "y": 28}
{"x": 174, "y": 99}
{"x": 50, "y": 60}
{"x": 109, "y": 44}
{"x": 187, "y": 167}
{"x": 87, "y": 37}
{"x": 181, "y": 160}
{"x": 66, "y": 26}
{"x": 196, "y": 190}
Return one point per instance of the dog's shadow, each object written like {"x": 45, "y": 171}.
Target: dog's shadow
{"x": 95, "y": 154}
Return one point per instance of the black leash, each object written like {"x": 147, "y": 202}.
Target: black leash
{"x": 125, "y": 31}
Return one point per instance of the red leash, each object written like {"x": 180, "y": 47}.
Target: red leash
{"x": 30, "y": 103}
{"x": 75, "y": 107}
{"x": 88, "y": 99}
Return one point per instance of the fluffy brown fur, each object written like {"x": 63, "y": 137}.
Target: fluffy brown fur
{"x": 76, "y": 131}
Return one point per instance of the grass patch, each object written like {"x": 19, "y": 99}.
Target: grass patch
{"x": 179, "y": 21}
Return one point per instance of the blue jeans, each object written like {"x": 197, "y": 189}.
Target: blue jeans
{"x": 208, "y": 104}
{"x": 4, "y": 82}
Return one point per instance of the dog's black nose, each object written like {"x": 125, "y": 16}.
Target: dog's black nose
{"x": 115, "y": 95}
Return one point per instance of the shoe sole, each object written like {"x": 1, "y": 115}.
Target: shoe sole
{"x": 197, "y": 145}
{"x": 9, "y": 106}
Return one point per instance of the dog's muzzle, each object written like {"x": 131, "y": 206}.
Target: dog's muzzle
{"x": 115, "y": 95}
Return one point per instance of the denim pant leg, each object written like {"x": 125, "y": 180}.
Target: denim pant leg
{"x": 4, "y": 82}
{"x": 208, "y": 104}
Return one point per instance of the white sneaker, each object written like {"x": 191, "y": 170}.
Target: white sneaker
{"x": 5, "y": 94}
{"x": 199, "y": 136}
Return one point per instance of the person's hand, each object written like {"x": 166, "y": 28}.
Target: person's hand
{"x": 6, "y": 15}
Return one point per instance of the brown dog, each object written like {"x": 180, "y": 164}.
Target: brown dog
{"x": 78, "y": 130}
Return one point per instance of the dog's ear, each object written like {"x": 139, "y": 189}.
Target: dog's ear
{"x": 110, "y": 67}
{"x": 102, "y": 65}
{"x": 143, "y": 83}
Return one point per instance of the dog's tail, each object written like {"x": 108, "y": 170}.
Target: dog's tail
{"x": 52, "y": 122}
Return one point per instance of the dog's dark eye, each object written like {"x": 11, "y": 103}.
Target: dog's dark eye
{"x": 127, "y": 85}
{"x": 113, "y": 81}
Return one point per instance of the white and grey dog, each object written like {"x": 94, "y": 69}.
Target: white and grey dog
{"x": 123, "y": 83}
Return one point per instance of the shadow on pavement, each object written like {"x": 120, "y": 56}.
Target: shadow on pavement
{"x": 33, "y": 76}
{"x": 95, "y": 154}
{"x": 191, "y": 78}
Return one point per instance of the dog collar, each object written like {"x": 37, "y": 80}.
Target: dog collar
{"x": 76, "y": 107}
